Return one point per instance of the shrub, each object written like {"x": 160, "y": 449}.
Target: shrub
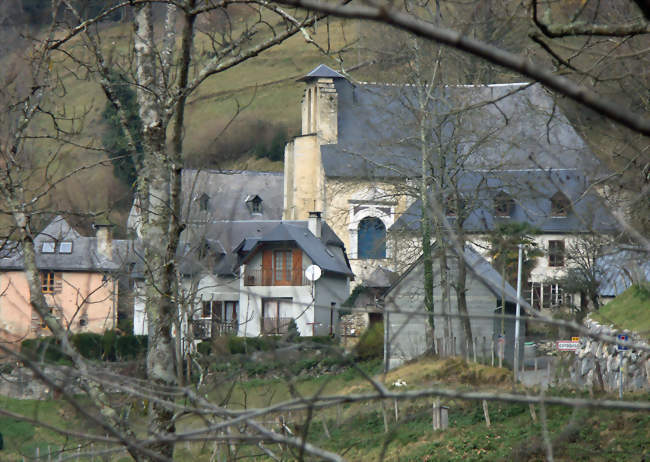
{"x": 45, "y": 348}
{"x": 204, "y": 347}
{"x": 109, "y": 340}
{"x": 240, "y": 345}
{"x": 292, "y": 331}
{"x": 131, "y": 346}
{"x": 89, "y": 345}
{"x": 371, "y": 343}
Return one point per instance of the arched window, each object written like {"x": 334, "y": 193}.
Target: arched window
{"x": 371, "y": 239}
{"x": 560, "y": 205}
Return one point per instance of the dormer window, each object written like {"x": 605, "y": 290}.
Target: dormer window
{"x": 48, "y": 247}
{"x": 254, "y": 204}
{"x": 65, "y": 247}
{"x": 503, "y": 205}
{"x": 203, "y": 201}
{"x": 560, "y": 205}
{"x": 450, "y": 206}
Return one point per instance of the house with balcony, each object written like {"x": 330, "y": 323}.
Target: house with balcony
{"x": 275, "y": 287}
{"x": 243, "y": 268}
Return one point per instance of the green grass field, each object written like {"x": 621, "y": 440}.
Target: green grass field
{"x": 359, "y": 431}
{"x": 630, "y": 310}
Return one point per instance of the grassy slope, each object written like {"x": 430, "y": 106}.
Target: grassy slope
{"x": 630, "y": 310}
{"x": 357, "y": 431}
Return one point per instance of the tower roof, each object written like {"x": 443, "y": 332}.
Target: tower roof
{"x": 322, "y": 71}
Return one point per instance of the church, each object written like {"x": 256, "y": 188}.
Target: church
{"x": 507, "y": 147}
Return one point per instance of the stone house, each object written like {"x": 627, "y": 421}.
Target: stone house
{"x": 357, "y": 158}
{"x": 557, "y": 203}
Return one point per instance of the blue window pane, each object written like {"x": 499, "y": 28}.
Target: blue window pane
{"x": 371, "y": 239}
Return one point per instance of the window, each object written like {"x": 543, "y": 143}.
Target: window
{"x": 560, "y": 205}
{"x": 450, "y": 205}
{"x": 204, "y": 201}
{"x": 282, "y": 266}
{"x": 555, "y": 253}
{"x": 65, "y": 247}
{"x": 48, "y": 247}
{"x": 371, "y": 242}
{"x": 547, "y": 295}
{"x": 503, "y": 205}
{"x": 206, "y": 310}
{"x": 276, "y": 315}
{"x": 38, "y": 323}
{"x": 50, "y": 282}
{"x": 254, "y": 204}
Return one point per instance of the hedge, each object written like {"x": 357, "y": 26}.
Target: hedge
{"x": 108, "y": 346}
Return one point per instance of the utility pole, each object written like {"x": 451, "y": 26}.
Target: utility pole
{"x": 519, "y": 265}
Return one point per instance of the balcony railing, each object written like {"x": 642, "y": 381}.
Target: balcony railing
{"x": 203, "y": 328}
{"x": 275, "y": 326}
{"x": 272, "y": 277}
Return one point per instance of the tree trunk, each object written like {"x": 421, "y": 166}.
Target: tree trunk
{"x": 461, "y": 295}
{"x": 159, "y": 245}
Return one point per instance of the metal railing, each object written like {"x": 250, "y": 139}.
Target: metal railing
{"x": 206, "y": 328}
{"x": 275, "y": 326}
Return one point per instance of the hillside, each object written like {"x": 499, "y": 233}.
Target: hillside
{"x": 630, "y": 310}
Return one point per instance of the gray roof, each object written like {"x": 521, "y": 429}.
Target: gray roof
{"x": 531, "y": 191}
{"x": 84, "y": 255}
{"x": 238, "y": 238}
{"x": 380, "y": 278}
{"x": 621, "y": 268}
{"x": 480, "y": 268}
{"x": 315, "y": 248}
{"x": 228, "y": 193}
{"x": 487, "y": 126}
{"x": 321, "y": 71}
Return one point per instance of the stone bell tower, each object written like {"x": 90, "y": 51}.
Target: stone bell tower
{"x": 304, "y": 178}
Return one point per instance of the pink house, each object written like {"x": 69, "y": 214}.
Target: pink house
{"x": 78, "y": 279}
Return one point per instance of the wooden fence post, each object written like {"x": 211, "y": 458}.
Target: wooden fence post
{"x": 486, "y": 413}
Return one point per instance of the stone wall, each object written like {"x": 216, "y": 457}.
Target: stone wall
{"x": 596, "y": 360}
{"x": 20, "y": 383}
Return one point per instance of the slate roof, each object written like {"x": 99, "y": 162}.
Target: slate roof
{"x": 621, "y": 268}
{"x": 380, "y": 278}
{"x": 84, "y": 255}
{"x": 531, "y": 191}
{"x": 228, "y": 192}
{"x": 321, "y": 71}
{"x": 489, "y": 126}
{"x": 315, "y": 248}
{"x": 238, "y": 238}
{"x": 480, "y": 268}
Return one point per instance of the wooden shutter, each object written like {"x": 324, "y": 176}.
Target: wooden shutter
{"x": 267, "y": 267}
{"x": 296, "y": 279}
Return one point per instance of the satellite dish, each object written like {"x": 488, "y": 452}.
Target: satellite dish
{"x": 313, "y": 273}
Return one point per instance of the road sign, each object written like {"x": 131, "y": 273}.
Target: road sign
{"x": 575, "y": 339}
{"x": 623, "y": 338}
{"x": 566, "y": 345}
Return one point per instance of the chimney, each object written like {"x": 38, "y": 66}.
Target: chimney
{"x": 315, "y": 224}
{"x": 104, "y": 235}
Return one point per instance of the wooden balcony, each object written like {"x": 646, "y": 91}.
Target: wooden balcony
{"x": 271, "y": 277}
